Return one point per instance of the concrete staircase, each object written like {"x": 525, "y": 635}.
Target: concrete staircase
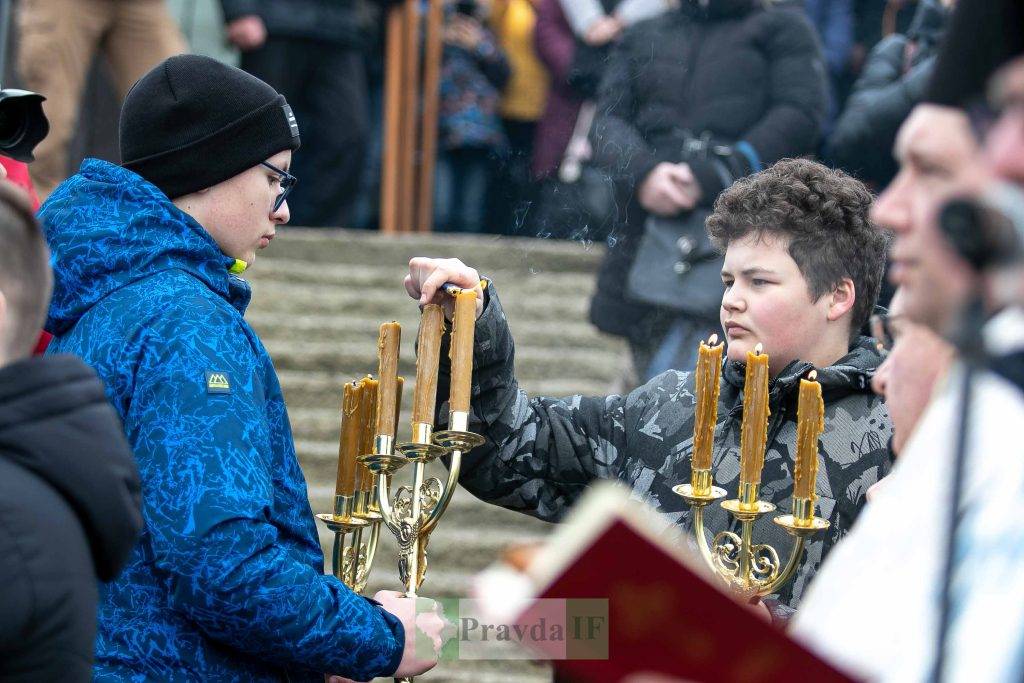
{"x": 318, "y": 298}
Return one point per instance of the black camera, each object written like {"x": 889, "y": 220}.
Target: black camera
{"x": 22, "y": 123}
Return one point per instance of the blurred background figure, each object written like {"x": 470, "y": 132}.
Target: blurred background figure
{"x": 873, "y": 20}
{"x": 312, "y": 52}
{"x": 522, "y": 103}
{"x": 473, "y": 72}
{"x": 834, "y": 21}
{"x": 574, "y": 39}
{"x": 57, "y": 42}
{"x": 893, "y": 80}
{"x": 690, "y": 102}
{"x": 916, "y": 362}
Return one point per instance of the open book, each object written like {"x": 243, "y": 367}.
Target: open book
{"x": 665, "y": 613}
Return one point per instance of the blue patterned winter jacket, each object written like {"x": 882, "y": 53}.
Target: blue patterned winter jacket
{"x": 226, "y": 583}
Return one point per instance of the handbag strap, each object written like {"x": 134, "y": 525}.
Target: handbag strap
{"x": 578, "y": 150}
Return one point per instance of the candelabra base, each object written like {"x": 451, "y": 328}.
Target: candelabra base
{"x": 342, "y": 524}
{"x": 421, "y": 452}
{"x": 368, "y": 515}
{"x": 743, "y": 512}
{"x": 382, "y": 463}
{"x": 688, "y": 494}
{"x": 800, "y": 528}
{"x": 454, "y": 440}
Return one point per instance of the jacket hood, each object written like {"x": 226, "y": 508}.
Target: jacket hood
{"x": 108, "y": 227}
{"x": 56, "y": 422}
{"x": 850, "y": 374}
{"x": 716, "y": 9}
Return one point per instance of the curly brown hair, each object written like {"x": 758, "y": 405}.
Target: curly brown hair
{"x": 824, "y": 214}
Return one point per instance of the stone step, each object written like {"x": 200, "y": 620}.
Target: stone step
{"x": 389, "y": 276}
{"x": 531, "y": 361}
{"x": 363, "y": 329}
{"x": 483, "y": 252}
{"x": 322, "y": 389}
{"x": 385, "y": 304}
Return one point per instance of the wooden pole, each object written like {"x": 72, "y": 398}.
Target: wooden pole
{"x": 410, "y": 109}
{"x": 428, "y": 132}
{"x": 393, "y": 88}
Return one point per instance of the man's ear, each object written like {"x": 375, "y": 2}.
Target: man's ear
{"x": 842, "y": 299}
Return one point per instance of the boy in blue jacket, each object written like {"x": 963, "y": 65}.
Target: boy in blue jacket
{"x": 227, "y": 580}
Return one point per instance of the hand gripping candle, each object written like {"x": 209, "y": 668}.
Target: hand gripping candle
{"x": 707, "y": 380}
{"x": 754, "y": 430}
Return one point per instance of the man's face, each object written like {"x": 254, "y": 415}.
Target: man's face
{"x": 241, "y": 216}
{"x": 767, "y": 300}
{"x": 938, "y": 157}
{"x": 917, "y": 360}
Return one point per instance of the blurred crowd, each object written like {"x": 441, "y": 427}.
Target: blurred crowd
{"x": 524, "y": 85}
{"x": 614, "y": 121}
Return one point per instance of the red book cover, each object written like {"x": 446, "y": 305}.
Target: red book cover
{"x": 665, "y": 616}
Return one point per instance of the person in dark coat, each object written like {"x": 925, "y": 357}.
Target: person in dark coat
{"x": 732, "y": 71}
{"x": 894, "y": 79}
{"x": 69, "y": 490}
{"x": 803, "y": 268}
{"x": 312, "y": 52}
{"x": 470, "y": 135}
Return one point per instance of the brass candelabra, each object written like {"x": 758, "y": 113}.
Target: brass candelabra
{"x": 747, "y": 568}
{"x": 368, "y": 447}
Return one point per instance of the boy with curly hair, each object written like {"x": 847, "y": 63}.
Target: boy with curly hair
{"x": 803, "y": 266}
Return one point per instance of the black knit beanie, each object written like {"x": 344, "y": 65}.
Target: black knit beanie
{"x": 193, "y": 122}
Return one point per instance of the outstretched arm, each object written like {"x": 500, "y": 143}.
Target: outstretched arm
{"x": 540, "y": 453}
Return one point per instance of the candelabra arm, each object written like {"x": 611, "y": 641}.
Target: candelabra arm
{"x": 698, "y": 499}
{"x": 791, "y": 564}
{"x": 701, "y": 535}
{"x": 371, "y": 547}
{"x": 387, "y": 512}
{"x": 338, "y": 555}
{"x": 446, "y": 493}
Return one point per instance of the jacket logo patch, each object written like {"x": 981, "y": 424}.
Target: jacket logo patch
{"x": 217, "y": 382}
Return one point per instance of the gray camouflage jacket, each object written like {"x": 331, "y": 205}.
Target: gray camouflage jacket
{"x": 542, "y": 453}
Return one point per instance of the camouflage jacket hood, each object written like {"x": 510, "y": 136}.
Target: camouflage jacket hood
{"x": 542, "y": 453}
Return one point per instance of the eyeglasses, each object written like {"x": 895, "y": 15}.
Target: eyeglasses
{"x": 883, "y": 329}
{"x": 287, "y": 184}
